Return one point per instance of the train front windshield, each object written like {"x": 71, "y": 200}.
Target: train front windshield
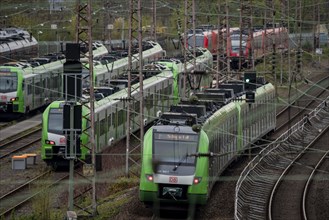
{"x": 55, "y": 121}
{"x": 8, "y": 82}
{"x": 172, "y": 152}
{"x": 199, "y": 41}
{"x": 236, "y": 46}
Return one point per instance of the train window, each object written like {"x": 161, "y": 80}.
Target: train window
{"x": 120, "y": 117}
{"x": 113, "y": 119}
{"x": 181, "y": 83}
{"x": 148, "y": 101}
{"x": 44, "y": 85}
{"x": 137, "y": 107}
{"x": 50, "y": 82}
{"x": 29, "y": 89}
{"x": 102, "y": 128}
{"x": 109, "y": 122}
{"x": 8, "y": 82}
{"x": 199, "y": 42}
{"x": 37, "y": 88}
{"x": 171, "y": 148}
{"x": 55, "y": 121}
{"x": 55, "y": 81}
{"x": 97, "y": 131}
{"x": 155, "y": 101}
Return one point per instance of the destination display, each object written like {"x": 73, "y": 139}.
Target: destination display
{"x": 171, "y": 136}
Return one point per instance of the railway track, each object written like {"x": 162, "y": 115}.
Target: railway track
{"x": 301, "y": 106}
{"x": 288, "y": 196}
{"x": 28, "y": 190}
{"x": 314, "y": 195}
{"x": 19, "y": 142}
{"x": 256, "y": 181}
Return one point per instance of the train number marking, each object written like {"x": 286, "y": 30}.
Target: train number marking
{"x": 173, "y": 179}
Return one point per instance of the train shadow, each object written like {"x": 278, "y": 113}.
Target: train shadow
{"x": 13, "y": 116}
{"x": 8, "y": 117}
{"x": 175, "y": 212}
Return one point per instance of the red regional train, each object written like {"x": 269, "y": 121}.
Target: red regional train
{"x": 256, "y": 48}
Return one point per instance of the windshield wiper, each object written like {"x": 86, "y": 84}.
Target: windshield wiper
{"x": 180, "y": 162}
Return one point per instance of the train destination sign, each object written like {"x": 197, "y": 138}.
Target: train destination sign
{"x": 171, "y": 136}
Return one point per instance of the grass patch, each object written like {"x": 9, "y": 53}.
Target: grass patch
{"x": 120, "y": 194}
{"x": 122, "y": 184}
{"x": 111, "y": 208}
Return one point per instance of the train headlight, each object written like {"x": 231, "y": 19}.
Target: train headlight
{"x": 197, "y": 180}
{"x": 50, "y": 142}
{"x": 149, "y": 177}
{"x": 14, "y": 99}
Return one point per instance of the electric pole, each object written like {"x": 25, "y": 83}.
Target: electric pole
{"x": 135, "y": 26}
{"x": 220, "y": 44}
{"x": 84, "y": 37}
{"x": 154, "y": 19}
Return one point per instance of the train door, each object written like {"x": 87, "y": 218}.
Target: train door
{"x": 110, "y": 130}
{"x": 148, "y": 104}
{"x": 28, "y": 93}
{"x": 121, "y": 119}
{"x": 97, "y": 133}
{"x": 35, "y": 91}
{"x": 38, "y": 90}
{"x": 44, "y": 88}
{"x": 158, "y": 97}
{"x": 102, "y": 130}
{"x": 115, "y": 121}
{"x": 154, "y": 101}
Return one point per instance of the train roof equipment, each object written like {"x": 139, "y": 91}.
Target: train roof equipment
{"x": 175, "y": 118}
{"x": 229, "y": 93}
{"x": 237, "y": 88}
{"x": 202, "y": 104}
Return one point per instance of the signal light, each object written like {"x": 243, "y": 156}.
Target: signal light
{"x": 50, "y": 142}
{"x": 250, "y": 80}
{"x": 197, "y": 180}
{"x": 149, "y": 177}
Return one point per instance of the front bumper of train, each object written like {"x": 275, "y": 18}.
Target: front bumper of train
{"x": 153, "y": 198}
{"x": 8, "y": 107}
{"x": 52, "y": 152}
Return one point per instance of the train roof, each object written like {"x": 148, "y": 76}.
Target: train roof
{"x": 202, "y": 105}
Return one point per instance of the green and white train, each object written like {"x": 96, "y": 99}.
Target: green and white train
{"x": 161, "y": 90}
{"x": 104, "y": 72}
{"x": 189, "y": 147}
{"x": 25, "y": 88}
{"x": 29, "y": 85}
